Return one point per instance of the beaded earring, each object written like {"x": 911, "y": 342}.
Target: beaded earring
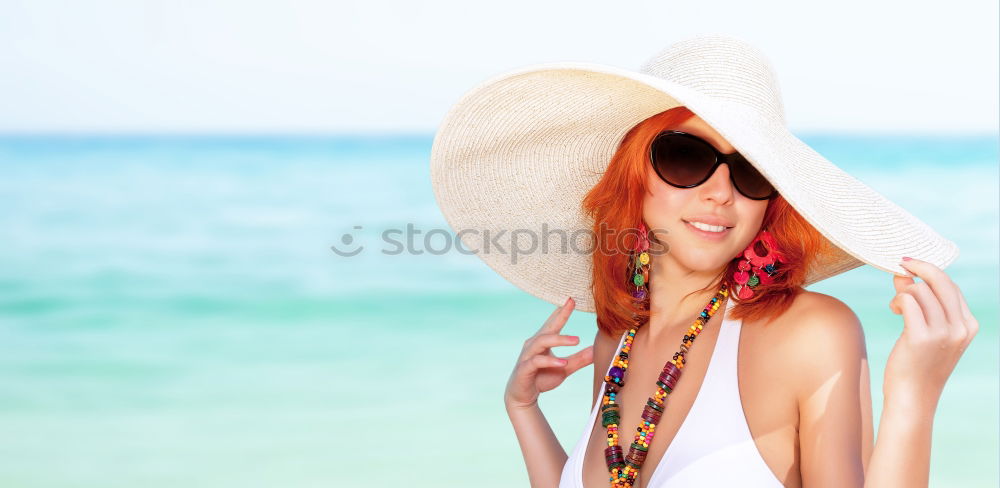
{"x": 639, "y": 265}
{"x": 755, "y": 269}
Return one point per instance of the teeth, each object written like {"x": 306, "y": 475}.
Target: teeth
{"x": 708, "y": 228}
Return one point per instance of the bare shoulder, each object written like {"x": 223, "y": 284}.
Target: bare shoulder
{"x": 827, "y": 366}
{"x": 814, "y": 316}
{"x": 821, "y": 336}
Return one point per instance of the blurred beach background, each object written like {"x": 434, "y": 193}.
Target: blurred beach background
{"x": 172, "y": 314}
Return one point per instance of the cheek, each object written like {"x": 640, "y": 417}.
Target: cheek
{"x": 662, "y": 203}
{"x": 661, "y": 213}
{"x": 758, "y": 210}
{"x": 752, "y": 216}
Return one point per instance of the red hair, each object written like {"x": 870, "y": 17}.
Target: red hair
{"x": 615, "y": 204}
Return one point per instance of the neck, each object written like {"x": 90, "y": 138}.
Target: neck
{"x": 674, "y": 296}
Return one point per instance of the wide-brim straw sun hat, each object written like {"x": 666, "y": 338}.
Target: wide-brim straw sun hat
{"x": 517, "y": 153}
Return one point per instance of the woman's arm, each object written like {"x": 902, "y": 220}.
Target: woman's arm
{"x": 835, "y": 423}
{"x": 902, "y": 455}
{"x": 937, "y": 328}
{"x": 826, "y": 346}
{"x": 537, "y": 371}
{"x": 828, "y": 349}
{"x": 543, "y": 455}
{"x": 835, "y": 412}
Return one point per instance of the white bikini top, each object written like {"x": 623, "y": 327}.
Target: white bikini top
{"x": 714, "y": 446}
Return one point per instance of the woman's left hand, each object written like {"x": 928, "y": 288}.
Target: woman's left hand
{"x": 937, "y": 328}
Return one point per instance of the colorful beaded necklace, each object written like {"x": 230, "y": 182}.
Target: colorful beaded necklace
{"x": 625, "y": 469}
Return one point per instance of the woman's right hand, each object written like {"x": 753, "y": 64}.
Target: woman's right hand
{"x": 937, "y": 329}
{"x": 537, "y": 369}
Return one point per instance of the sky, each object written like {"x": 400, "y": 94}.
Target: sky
{"x": 246, "y": 66}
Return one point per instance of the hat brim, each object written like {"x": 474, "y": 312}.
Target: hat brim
{"x": 519, "y": 151}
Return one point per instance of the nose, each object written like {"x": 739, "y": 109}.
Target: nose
{"x": 718, "y": 187}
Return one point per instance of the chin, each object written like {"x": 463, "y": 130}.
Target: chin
{"x": 700, "y": 261}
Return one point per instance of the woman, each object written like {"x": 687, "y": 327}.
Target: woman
{"x": 687, "y": 222}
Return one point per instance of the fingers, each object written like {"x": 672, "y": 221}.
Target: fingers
{"x": 899, "y": 283}
{"x": 971, "y": 324}
{"x": 570, "y": 364}
{"x": 579, "y": 359}
{"x": 530, "y": 366}
{"x": 945, "y": 290}
{"x": 958, "y": 324}
{"x": 903, "y": 286}
{"x": 966, "y": 313}
{"x": 540, "y": 344}
{"x": 542, "y": 361}
{"x": 930, "y": 307}
{"x": 548, "y": 335}
{"x": 558, "y": 318}
{"x": 913, "y": 317}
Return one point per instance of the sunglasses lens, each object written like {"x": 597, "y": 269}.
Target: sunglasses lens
{"x": 749, "y": 181}
{"x": 681, "y": 160}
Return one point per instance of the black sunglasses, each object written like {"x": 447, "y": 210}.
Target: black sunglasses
{"x": 685, "y": 161}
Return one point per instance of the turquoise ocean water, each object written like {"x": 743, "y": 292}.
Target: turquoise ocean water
{"x": 171, "y": 314}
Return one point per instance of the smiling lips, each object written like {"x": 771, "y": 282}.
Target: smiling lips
{"x": 710, "y": 227}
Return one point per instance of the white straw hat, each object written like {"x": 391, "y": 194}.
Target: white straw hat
{"x": 516, "y": 155}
